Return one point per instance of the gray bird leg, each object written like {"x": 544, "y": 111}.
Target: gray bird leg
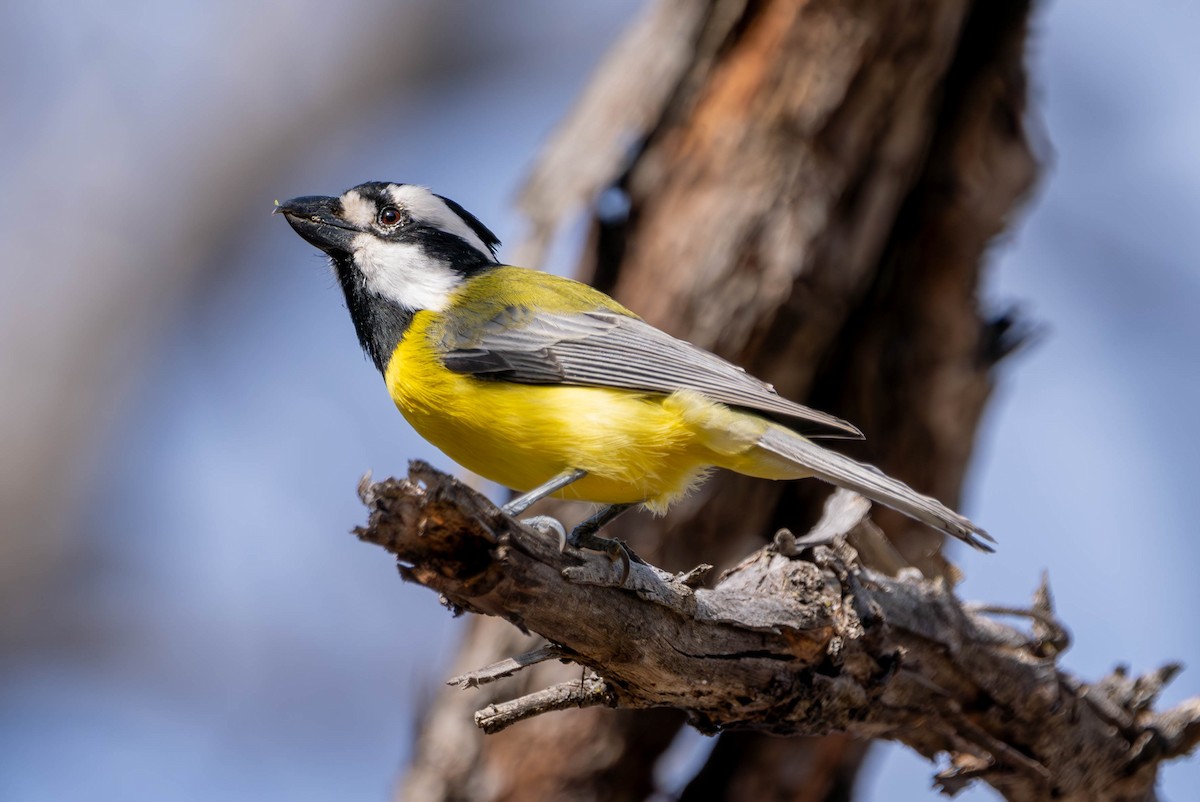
{"x": 523, "y": 502}
{"x": 584, "y": 536}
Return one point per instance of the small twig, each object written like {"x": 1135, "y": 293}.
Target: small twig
{"x": 591, "y": 691}
{"x": 695, "y": 577}
{"x": 998, "y": 749}
{"x": 507, "y": 667}
{"x": 1050, "y": 631}
{"x": 1177, "y": 731}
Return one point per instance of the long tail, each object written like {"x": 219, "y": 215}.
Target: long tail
{"x": 873, "y": 483}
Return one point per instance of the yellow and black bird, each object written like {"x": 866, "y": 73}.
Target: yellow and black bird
{"x": 550, "y": 387}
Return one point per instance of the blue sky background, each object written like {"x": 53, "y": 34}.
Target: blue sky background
{"x": 192, "y": 620}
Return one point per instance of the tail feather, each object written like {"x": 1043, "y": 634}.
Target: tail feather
{"x": 872, "y": 483}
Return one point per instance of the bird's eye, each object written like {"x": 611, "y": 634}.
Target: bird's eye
{"x": 389, "y": 216}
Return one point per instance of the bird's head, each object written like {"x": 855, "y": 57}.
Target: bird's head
{"x": 397, "y": 249}
{"x": 400, "y": 240}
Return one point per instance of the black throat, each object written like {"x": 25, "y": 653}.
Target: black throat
{"x": 379, "y": 322}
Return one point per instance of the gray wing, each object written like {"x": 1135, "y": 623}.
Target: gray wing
{"x": 606, "y": 349}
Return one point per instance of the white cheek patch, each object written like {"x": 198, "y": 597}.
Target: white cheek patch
{"x": 357, "y": 210}
{"x": 428, "y": 208}
{"x": 405, "y": 273}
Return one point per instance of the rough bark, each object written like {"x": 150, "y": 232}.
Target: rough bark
{"x": 808, "y": 189}
{"x": 794, "y": 640}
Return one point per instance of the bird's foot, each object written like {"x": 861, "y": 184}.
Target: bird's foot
{"x": 616, "y": 550}
{"x": 584, "y": 536}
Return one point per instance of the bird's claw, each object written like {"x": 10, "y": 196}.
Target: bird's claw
{"x": 613, "y": 548}
{"x": 619, "y": 551}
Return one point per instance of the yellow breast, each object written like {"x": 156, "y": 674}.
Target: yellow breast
{"x": 634, "y": 447}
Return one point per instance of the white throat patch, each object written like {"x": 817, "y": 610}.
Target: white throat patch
{"x": 403, "y": 272}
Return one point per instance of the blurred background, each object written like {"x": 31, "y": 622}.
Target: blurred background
{"x": 184, "y": 412}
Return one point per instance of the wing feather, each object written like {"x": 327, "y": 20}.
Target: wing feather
{"x": 607, "y": 349}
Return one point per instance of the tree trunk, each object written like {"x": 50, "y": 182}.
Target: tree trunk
{"x": 808, "y": 189}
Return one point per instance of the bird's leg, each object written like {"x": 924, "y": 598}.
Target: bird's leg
{"x": 523, "y": 502}
{"x": 584, "y": 537}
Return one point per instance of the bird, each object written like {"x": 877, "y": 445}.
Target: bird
{"x": 550, "y": 387}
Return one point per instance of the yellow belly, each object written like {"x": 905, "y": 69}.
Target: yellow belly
{"x": 634, "y": 448}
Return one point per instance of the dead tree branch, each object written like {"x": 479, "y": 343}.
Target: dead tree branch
{"x": 795, "y": 640}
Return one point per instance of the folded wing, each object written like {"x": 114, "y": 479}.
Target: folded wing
{"x": 606, "y": 349}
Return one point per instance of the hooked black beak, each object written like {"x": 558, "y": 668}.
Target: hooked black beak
{"x": 319, "y": 221}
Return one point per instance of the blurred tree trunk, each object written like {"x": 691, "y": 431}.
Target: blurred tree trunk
{"x": 808, "y": 189}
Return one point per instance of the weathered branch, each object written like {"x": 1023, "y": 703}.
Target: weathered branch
{"x": 796, "y": 639}
{"x": 588, "y": 691}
